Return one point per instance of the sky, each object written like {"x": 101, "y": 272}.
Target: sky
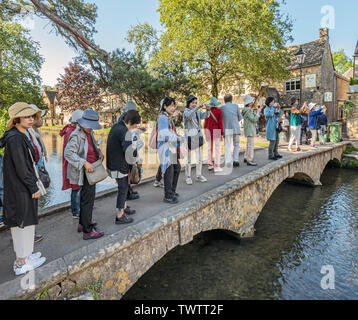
{"x": 115, "y": 18}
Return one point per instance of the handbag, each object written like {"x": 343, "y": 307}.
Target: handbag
{"x": 135, "y": 174}
{"x": 99, "y": 173}
{"x": 44, "y": 177}
{"x": 39, "y": 183}
{"x": 196, "y": 141}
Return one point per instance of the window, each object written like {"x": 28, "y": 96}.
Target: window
{"x": 293, "y": 85}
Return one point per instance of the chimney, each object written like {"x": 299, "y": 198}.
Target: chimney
{"x": 324, "y": 34}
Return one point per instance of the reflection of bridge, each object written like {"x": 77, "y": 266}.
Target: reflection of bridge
{"x": 123, "y": 257}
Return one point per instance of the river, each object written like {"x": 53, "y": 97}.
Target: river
{"x": 301, "y": 232}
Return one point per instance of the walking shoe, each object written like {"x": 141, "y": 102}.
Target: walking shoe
{"x": 176, "y": 195}
{"x": 129, "y": 211}
{"x": 210, "y": 168}
{"x": 173, "y": 200}
{"x": 80, "y": 226}
{"x": 34, "y": 256}
{"x": 133, "y": 196}
{"x": 189, "y": 181}
{"x": 75, "y": 215}
{"x": 124, "y": 219}
{"x": 273, "y": 158}
{"x": 253, "y": 164}
{"x": 158, "y": 184}
{"x": 237, "y": 164}
{"x": 298, "y": 149}
{"x": 201, "y": 179}
{"x": 30, "y": 264}
{"x": 38, "y": 238}
{"x": 278, "y": 156}
{"x": 94, "y": 234}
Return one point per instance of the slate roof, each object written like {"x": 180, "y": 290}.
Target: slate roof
{"x": 314, "y": 53}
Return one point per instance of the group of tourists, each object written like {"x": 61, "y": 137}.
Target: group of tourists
{"x": 307, "y": 120}
{"x": 25, "y": 156}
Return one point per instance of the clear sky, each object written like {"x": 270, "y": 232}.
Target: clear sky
{"x": 115, "y": 17}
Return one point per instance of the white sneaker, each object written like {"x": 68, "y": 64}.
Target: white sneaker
{"x": 201, "y": 179}
{"x": 34, "y": 256}
{"x": 218, "y": 170}
{"x": 189, "y": 181}
{"x": 28, "y": 266}
{"x": 210, "y": 168}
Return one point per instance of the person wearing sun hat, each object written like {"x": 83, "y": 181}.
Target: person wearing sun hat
{"x": 214, "y": 131}
{"x": 75, "y": 189}
{"x": 250, "y": 121}
{"x": 21, "y": 192}
{"x": 81, "y": 152}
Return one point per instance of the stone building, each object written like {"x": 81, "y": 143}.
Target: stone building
{"x": 320, "y": 82}
{"x": 355, "y": 68}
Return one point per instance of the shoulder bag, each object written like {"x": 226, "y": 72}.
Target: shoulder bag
{"x": 39, "y": 183}
{"x": 196, "y": 141}
{"x": 98, "y": 175}
{"x": 135, "y": 174}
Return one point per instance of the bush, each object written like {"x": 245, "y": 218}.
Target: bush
{"x": 353, "y": 82}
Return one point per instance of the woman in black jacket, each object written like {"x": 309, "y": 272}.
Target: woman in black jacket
{"x": 20, "y": 186}
{"x": 121, "y": 151}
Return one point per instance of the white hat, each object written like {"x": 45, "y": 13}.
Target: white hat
{"x": 76, "y": 115}
{"x": 311, "y": 106}
{"x": 248, "y": 99}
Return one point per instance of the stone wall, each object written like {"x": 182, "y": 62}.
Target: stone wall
{"x": 117, "y": 261}
{"x": 352, "y": 124}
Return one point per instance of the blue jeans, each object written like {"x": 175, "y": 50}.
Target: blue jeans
{"x": 75, "y": 201}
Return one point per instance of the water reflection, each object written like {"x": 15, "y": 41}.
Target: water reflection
{"x": 296, "y": 235}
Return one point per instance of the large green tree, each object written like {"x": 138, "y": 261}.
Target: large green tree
{"x": 223, "y": 42}
{"x": 20, "y": 64}
{"x": 341, "y": 61}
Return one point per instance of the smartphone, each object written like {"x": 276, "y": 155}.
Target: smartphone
{"x": 99, "y": 141}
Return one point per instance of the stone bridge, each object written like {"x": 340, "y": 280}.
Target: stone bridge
{"x": 122, "y": 258}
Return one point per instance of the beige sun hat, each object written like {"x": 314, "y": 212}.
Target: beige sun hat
{"x": 311, "y": 106}
{"x": 21, "y": 109}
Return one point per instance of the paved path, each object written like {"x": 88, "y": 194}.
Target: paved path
{"x": 60, "y": 230}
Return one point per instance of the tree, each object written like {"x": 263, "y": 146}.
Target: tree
{"x": 130, "y": 77}
{"x": 20, "y": 65}
{"x": 224, "y": 41}
{"x": 341, "y": 61}
{"x": 78, "y": 89}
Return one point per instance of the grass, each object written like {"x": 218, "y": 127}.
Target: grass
{"x": 350, "y": 149}
{"x": 42, "y": 295}
{"x": 95, "y": 288}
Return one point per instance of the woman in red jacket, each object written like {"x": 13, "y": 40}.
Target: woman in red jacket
{"x": 214, "y": 131}
{"x": 66, "y": 133}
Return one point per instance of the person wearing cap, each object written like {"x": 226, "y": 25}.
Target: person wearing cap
{"x": 214, "y": 131}
{"x": 315, "y": 112}
{"x": 21, "y": 192}
{"x": 192, "y": 125}
{"x": 168, "y": 144}
{"x": 295, "y": 124}
{"x": 272, "y": 113}
{"x": 250, "y": 121}
{"x": 75, "y": 189}
{"x": 80, "y": 152}
{"x": 231, "y": 120}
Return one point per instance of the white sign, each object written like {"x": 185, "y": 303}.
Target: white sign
{"x": 310, "y": 80}
{"x": 328, "y": 96}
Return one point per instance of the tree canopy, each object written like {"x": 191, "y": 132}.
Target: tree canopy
{"x": 341, "y": 61}
{"x": 221, "y": 41}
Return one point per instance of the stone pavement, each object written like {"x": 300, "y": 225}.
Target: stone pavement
{"x": 60, "y": 229}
